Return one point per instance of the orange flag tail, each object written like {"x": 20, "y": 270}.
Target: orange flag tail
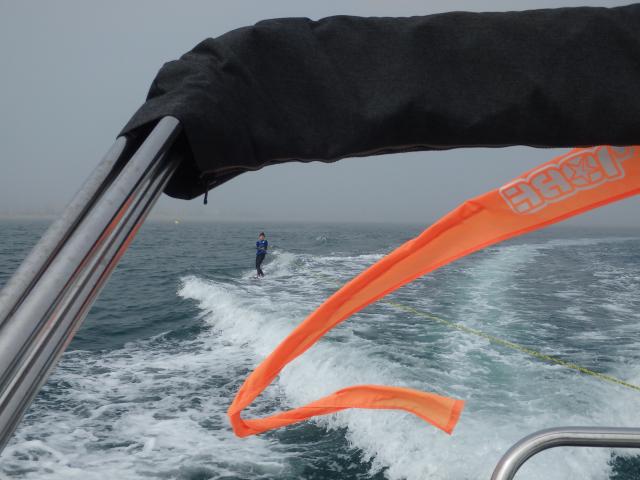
{"x": 581, "y": 180}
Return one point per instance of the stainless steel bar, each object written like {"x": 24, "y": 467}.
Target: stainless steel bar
{"x": 43, "y": 321}
{"x": 31, "y": 268}
{"x": 605, "y": 437}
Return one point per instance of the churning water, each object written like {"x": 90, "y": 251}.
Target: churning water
{"x": 143, "y": 389}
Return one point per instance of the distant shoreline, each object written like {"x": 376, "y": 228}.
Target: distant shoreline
{"x": 266, "y": 223}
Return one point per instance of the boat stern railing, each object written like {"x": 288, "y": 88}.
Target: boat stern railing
{"x": 523, "y": 450}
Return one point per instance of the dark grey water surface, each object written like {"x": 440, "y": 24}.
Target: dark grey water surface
{"x": 143, "y": 389}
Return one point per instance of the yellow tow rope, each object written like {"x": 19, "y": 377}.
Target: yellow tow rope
{"x": 505, "y": 343}
{"x": 515, "y": 346}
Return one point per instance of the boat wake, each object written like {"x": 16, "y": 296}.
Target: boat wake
{"x": 157, "y": 407}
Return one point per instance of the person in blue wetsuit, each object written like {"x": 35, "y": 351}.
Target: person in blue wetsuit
{"x": 261, "y": 252}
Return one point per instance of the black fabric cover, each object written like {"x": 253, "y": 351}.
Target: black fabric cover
{"x": 296, "y": 89}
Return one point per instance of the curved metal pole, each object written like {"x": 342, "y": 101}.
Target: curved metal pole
{"x": 44, "y": 304}
{"x": 41, "y": 254}
{"x": 607, "y": 437}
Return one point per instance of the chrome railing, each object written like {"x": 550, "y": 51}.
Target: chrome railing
{"x": 49, "y": 296}
{"x": 604, "y": 437}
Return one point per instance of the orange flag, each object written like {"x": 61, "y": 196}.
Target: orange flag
{"x": 581, "y": 180}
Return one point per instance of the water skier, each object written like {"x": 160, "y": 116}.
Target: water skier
{"x": 261, "y": 252}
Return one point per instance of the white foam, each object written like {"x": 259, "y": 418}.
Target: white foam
{"x": 140, "y": 411}
{"x": 509, "y": 394}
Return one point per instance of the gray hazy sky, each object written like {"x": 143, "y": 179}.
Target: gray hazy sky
{"x": 73, "y": 72}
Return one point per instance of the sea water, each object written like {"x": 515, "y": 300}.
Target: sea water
{"x": 143, "y": 389}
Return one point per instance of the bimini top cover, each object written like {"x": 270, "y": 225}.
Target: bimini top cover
{"x": 296, "y": 89}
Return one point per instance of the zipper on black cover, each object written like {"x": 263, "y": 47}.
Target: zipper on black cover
{"x": 207, "y": 187}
